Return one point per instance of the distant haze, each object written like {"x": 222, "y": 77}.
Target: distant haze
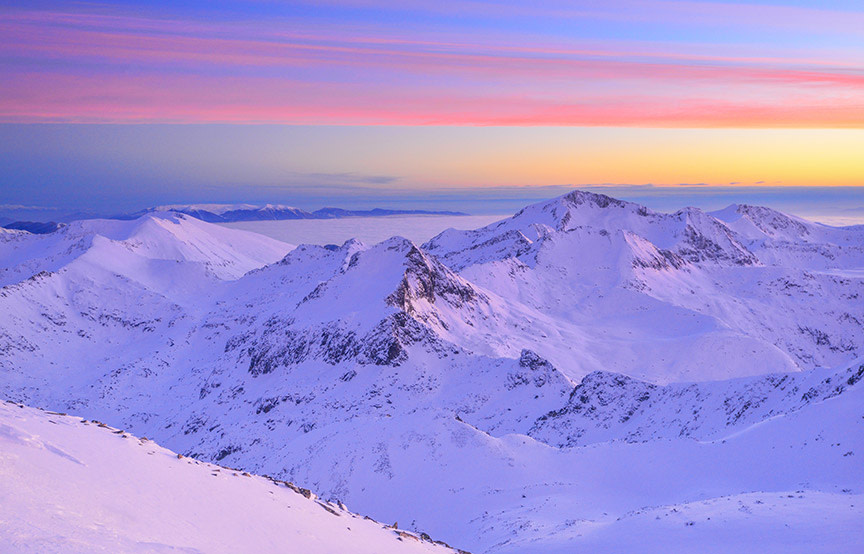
{"x": 370, "y": 230}
{"x": 123, "y": 168}
{"x": 829, "y": 205}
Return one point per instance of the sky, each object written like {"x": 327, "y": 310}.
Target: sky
{"x": 464, "y": 104}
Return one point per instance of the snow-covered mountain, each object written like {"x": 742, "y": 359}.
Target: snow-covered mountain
{"x": 671, "y": 297}
{"x": 96, "y": 294}
{"x": 225, "y": 213}
{"x": 72, "y": 485}
{"x": 563, "y": 377}
{"x": 166, "y": 237}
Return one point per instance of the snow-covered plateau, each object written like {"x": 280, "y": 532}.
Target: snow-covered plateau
{"x": 587, "y": 375}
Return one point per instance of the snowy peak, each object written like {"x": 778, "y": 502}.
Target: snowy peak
{"x": 739, "y": 235}
{"x": 584, "y": 253}
{"x": 426, "y": 281}
{"x": 783, "y": 240}
{"x": 706, "y": 239}
{"x": 689, "y": 234}
{"x": 459, "y": 249}
{"x": 394, "y": 273}
{"x": 580, "y": 208}
{"x": 755, "y": 222}
{"x": 156, "y": 238}
{"x": 352, "y": 303}
{"x": 227, "y": 253}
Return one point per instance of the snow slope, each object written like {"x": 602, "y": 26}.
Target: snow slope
{"x": 72, "y": 485}
{"x": 226, "y": 254}
{"x": 97, "y": 293}
{"x": 584, "y": 367}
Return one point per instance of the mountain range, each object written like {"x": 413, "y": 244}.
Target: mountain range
{"x": 225, "y": 213}
{"x": 588, "y": 373}
{"x": 47, "y": 220}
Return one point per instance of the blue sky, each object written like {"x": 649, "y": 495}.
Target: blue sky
{"x": 464, "y": 105}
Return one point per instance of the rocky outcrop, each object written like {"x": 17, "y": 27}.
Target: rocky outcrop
{"x": 607, "y": 406}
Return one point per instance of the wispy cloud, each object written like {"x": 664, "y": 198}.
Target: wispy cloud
{"x": 693, "y": 12}
{"x": 59, "y": 97}
{"x": 67, "y": 66}
{"x": 344, "y": 180}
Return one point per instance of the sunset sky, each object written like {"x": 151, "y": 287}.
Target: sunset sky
{"x": 387, "y": 102}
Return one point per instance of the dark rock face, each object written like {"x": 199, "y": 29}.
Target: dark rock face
{"x": 531, "y": 360}
{"x": 385, "y": 344}
{"x": 664, "y": 260}
{"x": 225, "y": 452}
{"x": 426, "y": 278}
{"x": 539, "y": 372}
{"x": 706, "y": 239}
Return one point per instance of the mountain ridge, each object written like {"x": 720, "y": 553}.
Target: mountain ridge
{"x": 454, "y": 371}
{"x": 179, "y": 510}
{"x": 227, "y": 213}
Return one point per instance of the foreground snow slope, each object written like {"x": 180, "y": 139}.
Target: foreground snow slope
{"x": 788, "y": 483}
{"x": 71, "y": 485}
{"x": 519, "y": 385}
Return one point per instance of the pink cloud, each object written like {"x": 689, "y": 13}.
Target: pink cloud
{"x": 58, "y": 98}
{"x": 418, "y": 56}
{"x": 118, "y": 68}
